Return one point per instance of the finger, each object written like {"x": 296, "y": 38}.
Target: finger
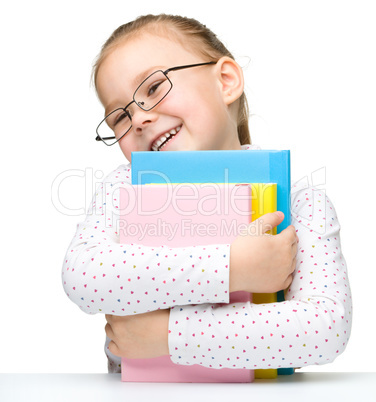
{"x": 112, "y": 347}
{"x": 290, "y": 234}
{"x": 288, "y": 282}
{"x": 268, "y": 221}
{"x": 296, "y": 238}
{"x": 294, "y": 249}
{"x": 109, "y": 331}
{"x": 293, "y": 266}
{"x": 293, "y": 232}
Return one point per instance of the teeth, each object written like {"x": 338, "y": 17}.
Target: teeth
{"x": 161, "y": 140}
{"x": 164, "y": 137}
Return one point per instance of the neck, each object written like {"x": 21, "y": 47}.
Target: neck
{"x": 233, "y": 143}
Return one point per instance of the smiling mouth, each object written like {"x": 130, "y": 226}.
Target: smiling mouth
{"x": 160, "y": 142}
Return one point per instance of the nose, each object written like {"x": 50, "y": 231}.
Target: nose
{"x": 142, "y": 119}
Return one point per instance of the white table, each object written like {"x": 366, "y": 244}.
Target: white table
{"x": 302, "y": 387}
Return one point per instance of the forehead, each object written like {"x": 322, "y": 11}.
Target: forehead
{"x": 152, "y": 47}
{"x": 133, "y": 59}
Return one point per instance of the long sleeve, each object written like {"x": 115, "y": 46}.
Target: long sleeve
{"x": 101, "y": 275}
{"x": 311, "y": 327}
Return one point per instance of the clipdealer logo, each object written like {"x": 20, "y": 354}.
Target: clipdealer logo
{"x": 98, "y": 197}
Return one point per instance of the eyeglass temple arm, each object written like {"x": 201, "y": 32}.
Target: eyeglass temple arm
{"x": 97, "y": 138}
{"x": 188, "y": 66}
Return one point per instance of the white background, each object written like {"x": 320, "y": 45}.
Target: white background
{"x": 311, "y": 83}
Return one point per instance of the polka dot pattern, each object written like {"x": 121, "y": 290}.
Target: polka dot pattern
{"x": 311, "y": 327}
{"x": 101, "y": 275}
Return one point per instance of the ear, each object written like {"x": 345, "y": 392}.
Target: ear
{"x": 230, "y": 78}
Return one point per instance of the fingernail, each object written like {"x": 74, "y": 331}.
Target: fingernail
{"x": 280, "y": 214}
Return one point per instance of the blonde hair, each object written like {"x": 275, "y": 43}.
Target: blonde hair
{"x": 201, "y": 39}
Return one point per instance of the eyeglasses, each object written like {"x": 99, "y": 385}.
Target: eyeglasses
{"x": 148, "y": 95}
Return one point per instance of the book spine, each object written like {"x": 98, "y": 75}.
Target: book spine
{"x": 264, "y": 200}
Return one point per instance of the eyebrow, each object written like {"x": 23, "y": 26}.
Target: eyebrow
{"x": 144, "y": 74}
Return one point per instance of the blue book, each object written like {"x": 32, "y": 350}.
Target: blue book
{"x": 257, "y": 166}
{"x": 237, "y": 166}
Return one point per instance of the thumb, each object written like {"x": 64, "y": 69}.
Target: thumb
{"x": 268, "y": 221}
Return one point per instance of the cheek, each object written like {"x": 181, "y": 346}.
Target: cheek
{"x": 173, "y": 104}
{"x": 188, "y": 105}
{"x": 126, "y": 147}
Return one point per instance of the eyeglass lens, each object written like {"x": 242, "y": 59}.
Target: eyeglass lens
{"x": 148, "y": 95}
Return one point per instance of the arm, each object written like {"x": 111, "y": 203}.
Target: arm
{"x": 254, "y": 265}
{"x": 311, "y": 327}
{"x": 101, "y": 275}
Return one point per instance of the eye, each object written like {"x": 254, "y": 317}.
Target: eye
{"x": 154, "y": 87}
{"x": 120, "y": 117}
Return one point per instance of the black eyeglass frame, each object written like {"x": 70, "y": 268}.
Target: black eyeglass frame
{"x": 99, "y": 138}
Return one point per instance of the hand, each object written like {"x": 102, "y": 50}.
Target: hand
{"x": 262, "y": 263}
{"x": 139, "y": 336}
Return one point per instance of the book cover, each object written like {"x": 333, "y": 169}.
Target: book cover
{"x": 256, "y": 166}
{"x": 197, "y": 214}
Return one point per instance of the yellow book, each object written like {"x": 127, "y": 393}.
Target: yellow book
{"x": 264, "y": 200}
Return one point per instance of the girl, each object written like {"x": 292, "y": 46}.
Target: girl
{"x": 148, "y": 315}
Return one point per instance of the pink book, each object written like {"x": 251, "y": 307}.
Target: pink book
{"x": 197, "y": 214}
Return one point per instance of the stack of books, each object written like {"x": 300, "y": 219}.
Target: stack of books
{"x": 193, "y": 198}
